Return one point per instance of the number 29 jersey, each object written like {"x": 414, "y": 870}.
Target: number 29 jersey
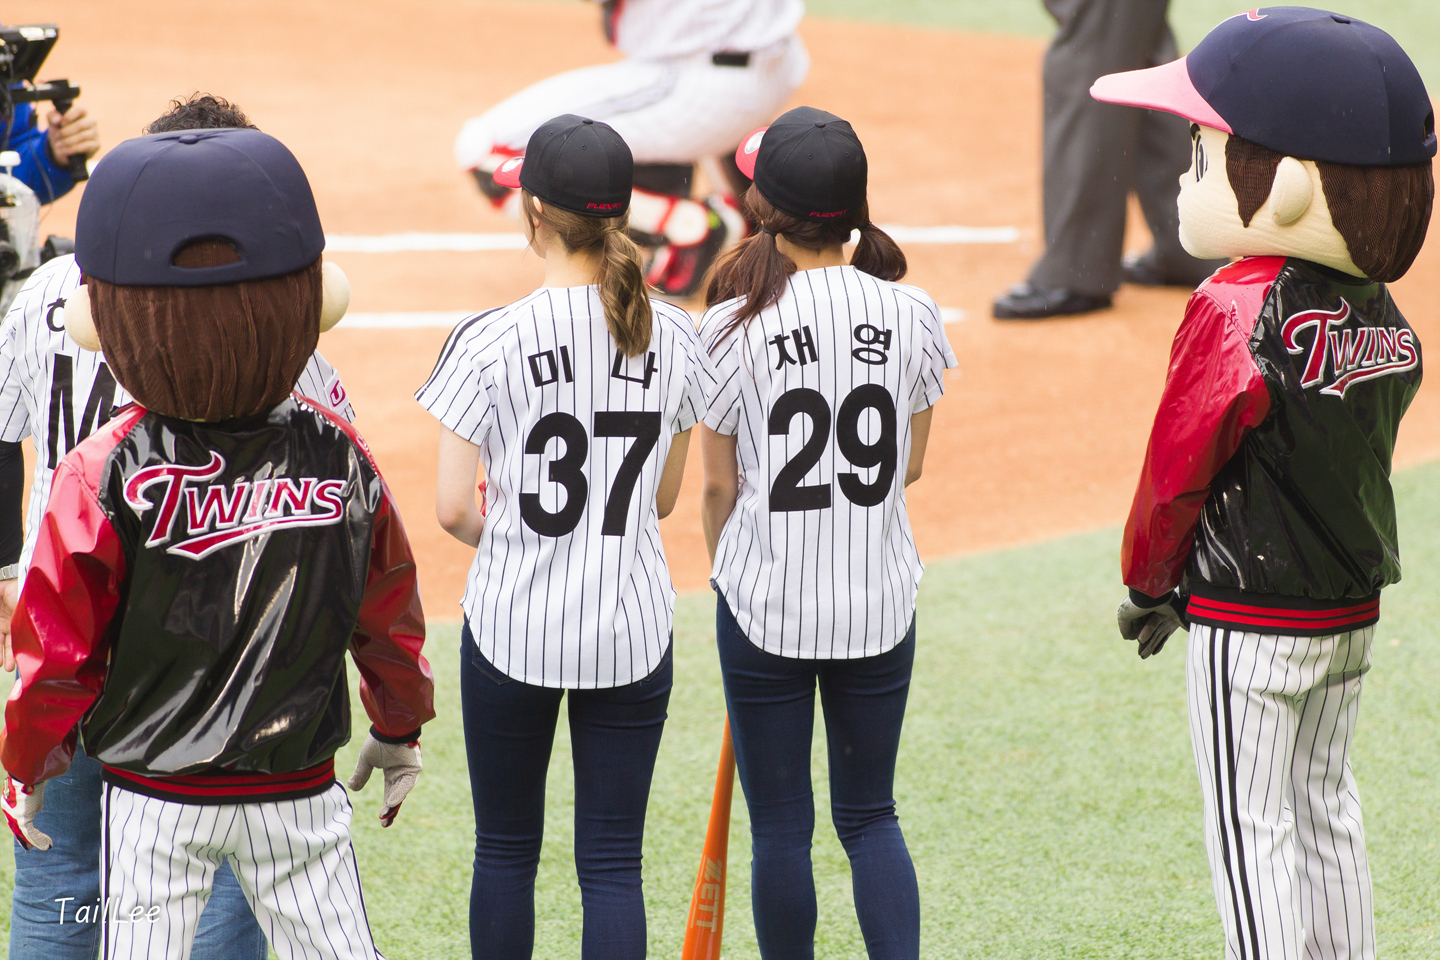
{"x": 817, "y": 560}
{"x": 569, "y": 587}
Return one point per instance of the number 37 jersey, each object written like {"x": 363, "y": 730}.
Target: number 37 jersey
{"x": 569, "y": 587}
{"x": 818, "y": 560}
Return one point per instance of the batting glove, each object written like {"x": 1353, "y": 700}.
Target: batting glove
{"x": 399, "y": 761}
{"x": 1150, "y": 620}
{"x": 22, "y": 803}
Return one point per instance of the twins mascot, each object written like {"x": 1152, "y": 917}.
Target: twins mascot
{"x": 1264, "y": 516}
{"x": 208, "y": 559}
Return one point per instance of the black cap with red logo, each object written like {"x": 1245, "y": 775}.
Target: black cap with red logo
{"x": 576, "y": 164}
{"x": 808, "y": 163}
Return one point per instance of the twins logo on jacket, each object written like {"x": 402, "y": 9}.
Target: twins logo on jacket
{"x": 1348, "y": 353}
{"x": 218, "y": 515}
{"x": 59, "y": 393}
{"x": 569, "y": 587}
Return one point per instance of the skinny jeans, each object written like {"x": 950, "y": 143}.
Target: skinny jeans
{"x": 509, "y": 732}
{"x": 771, "y": 700}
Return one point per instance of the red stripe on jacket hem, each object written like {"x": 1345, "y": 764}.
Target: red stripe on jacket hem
{"x": 221, "y": 788}
{"x": 1282, "y": 621}
{"x": 1369, "y": 606}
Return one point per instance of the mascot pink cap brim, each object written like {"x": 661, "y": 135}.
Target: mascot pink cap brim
{"x": 1167, "y": 87}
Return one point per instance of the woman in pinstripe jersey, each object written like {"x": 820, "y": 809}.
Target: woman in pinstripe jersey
{"x": 824, "y": 377}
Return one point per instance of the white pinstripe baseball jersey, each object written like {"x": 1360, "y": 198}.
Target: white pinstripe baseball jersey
{"x": 661, "y": 29}
{"x": 53, "y": 389}
{"x": 569, "y": 587}
{"x": 817, "y": 560}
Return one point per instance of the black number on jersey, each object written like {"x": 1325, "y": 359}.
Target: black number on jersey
{"x": 786, "y": 493}
{"x": 645, "y": 428}
{"x": 566, "y": 470}
{"x": 881, "y": 453}
{"x": 62, "y": 407}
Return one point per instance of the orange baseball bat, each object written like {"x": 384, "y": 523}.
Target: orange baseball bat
{"x": 707, "y": 902}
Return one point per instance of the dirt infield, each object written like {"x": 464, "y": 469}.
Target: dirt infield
{"x": 1044, "y": 424}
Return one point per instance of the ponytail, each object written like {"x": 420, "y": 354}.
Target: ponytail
{"x": 754, "y": 269}
{"x": 622, "y": 290}
{"x": 878, "y": 254}
{"x": 621, "y": 278}
{"x": 758, "y": 272}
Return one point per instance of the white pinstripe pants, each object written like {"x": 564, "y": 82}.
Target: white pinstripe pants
{"x": 1271, "y": 720}
{"x": 293, "y": 859}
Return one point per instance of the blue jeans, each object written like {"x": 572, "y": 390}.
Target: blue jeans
{"x": 614, "y": 737}
{"x": 771, "y": 700}
{"x": 53, "y": 886}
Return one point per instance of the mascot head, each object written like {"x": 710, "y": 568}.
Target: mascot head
{"x": 1313, "y": 138}
{"x": 204, "y": 285}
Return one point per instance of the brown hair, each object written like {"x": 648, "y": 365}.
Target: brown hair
{"x": 1381, "y": 212}
{"x": 756, "y": 269}
{"x": 214, "y": 352}
{"x": 621, "y": 279}
{"x": 199, "y": 111}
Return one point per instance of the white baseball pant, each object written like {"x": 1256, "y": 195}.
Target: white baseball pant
{"x": 292, "y": 857}
{"x": 1271, "y": 719}
{"x": 668, "y": 111}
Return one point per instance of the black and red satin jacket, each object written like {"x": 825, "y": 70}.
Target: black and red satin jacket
{"x": 193, "y": 595}
{"x": 1266, "y": 483}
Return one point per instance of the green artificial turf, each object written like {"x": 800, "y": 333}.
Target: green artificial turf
{"x": 1045, "y": 781}
{"x": 1046, "y": 785}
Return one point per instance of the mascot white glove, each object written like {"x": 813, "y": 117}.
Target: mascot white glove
{"x": 21, "y": 804}
{"x": 1151, "y": 620}
{"x": 401, "y": 765}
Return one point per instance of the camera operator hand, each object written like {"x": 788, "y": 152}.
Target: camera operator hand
{"x": 74, "y": 132}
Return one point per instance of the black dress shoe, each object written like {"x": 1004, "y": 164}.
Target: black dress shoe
{"x": 1144, "y": 270}
{"x": 1025, "y": 301}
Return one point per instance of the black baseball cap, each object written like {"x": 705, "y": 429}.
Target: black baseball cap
{"x": 150, "y": 196}
{"x": 808, "y": 163}
{"x": 576, "y": 164}
{"x": 1303, "y": 82}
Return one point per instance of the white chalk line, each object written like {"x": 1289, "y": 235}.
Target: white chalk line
{"x": 415, "y": 242}
{"x": 447, "y": 319}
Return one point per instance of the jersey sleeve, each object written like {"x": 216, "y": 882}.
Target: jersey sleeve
{"x": 933, "y": 347}
{"x": 320, "y": 382}
{"x": 60, "y": 630}
{"x": 456, "y": 392}
{"x": 692, "y": 389}
{"x": 396, "y": 685}
{"x": 720, "y": 376}
{"x": 1214, "y": 395}
{"x": 14, "y": 412}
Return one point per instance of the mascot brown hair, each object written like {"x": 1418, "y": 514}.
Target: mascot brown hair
{"x": 209, "y": 557}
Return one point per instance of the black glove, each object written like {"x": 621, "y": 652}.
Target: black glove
{"x": 1151, "y": 620}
